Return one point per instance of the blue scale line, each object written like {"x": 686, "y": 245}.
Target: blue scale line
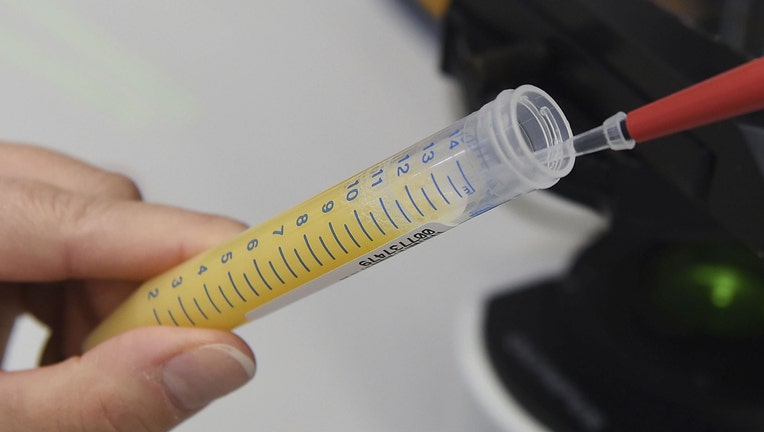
{"x": 307, "y": 243}
{"x": 278, "y": 276}
{"x": 331, "y": 228}
{"x": 230, "y": 278}
{"x": 259, "y": 273}
{"x": 250, "y": 285}
{"x": 283, "y": 258}
{"x": 428, "y": 199}
{"x": 169, "y": 312}
{"x": 199, "y": 308}
{"x": 220, "y": 288}
{"x": 358, "y": 219}
{"x": 210, "y": 298}
{"x": 387, "y": 214}
{"x": 347, "y": 229}
{"x": 156, "y": 317}
{"x": 459, "y": 165}
{"x": 454, "y": 186}
{"x": 435, "y": 182}
{"x": 373, "y": 219}
{"x": 299, "y": 258}
{"x": 183, "y": 308}
{"x": 408, "y": 192}
{"x": 398, "y": 203}
{"x": 321, "y": 239}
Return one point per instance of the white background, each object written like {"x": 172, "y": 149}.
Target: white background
{"x": 247, "y": 108}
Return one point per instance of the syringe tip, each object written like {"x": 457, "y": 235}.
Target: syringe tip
{"x": 611, "y": 135}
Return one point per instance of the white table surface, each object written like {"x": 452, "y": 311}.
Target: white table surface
{"x": 247, "y": 108}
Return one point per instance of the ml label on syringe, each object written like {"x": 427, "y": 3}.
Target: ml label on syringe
{"x": 389, "y": 250}
{"x": 403, "y": 243}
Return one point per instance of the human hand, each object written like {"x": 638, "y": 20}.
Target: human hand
{"x": 74, "y": 242}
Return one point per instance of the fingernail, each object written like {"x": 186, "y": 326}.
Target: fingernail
{"x": 195, "y": 378}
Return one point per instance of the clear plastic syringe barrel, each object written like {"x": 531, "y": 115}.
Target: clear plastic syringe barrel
{"x": 479, "y": 162}
{"x": 513, "y": 145}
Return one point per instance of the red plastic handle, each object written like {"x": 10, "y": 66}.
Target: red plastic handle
{"x": 735, "y": 92}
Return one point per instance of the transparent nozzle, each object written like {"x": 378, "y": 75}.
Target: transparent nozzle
{"x": 611, "y": 135}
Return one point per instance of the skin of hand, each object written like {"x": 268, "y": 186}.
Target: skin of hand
{"x": 74, "y": 242}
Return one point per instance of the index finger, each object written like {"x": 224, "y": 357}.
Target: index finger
{"x": 27, "y": 162}
{"x": 51, "y": 234}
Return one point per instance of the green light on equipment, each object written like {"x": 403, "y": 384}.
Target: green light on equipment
{"x": 707, "y": 289}
{"x": 723, "y": 283}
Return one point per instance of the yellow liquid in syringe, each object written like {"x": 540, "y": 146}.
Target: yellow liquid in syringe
{"x": 479, "y": 162}
{"x": 409, "y": 198}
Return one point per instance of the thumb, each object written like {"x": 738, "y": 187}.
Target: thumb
{"x": 148, "y": 379}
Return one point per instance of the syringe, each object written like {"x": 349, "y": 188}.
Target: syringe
{"x": 473, "y": 165}
{"x": 517, "y": 143}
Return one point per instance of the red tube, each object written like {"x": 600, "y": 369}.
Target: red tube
{"x": 735, "y": 92}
